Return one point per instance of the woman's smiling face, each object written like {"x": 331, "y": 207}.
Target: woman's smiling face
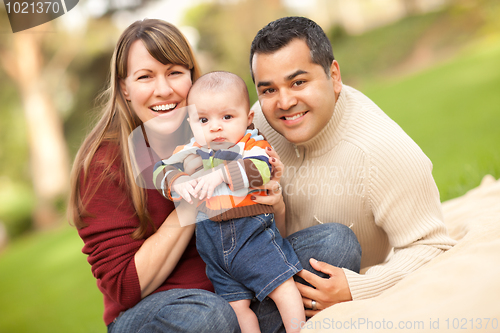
{"x": 155, "y": 89}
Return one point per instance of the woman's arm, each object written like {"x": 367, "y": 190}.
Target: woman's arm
{"x": 160, "y": 253}
{"x": 128, "y": 269}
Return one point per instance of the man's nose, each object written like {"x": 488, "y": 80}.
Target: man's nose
{"x": 286, "y": 100}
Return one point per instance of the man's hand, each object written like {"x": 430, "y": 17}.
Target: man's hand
{"x": 329, "y": 291}
{"x": 185, "y": 187}
{"x": 207, "y": 184}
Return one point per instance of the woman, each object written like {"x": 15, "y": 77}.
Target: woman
{"x": 130, "y": 233}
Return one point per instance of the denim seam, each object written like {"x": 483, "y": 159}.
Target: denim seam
{"x": 233, "y": 242}
{"x": 292, "y": 268}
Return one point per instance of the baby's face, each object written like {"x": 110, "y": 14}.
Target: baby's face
{"x": 219, "y": 119}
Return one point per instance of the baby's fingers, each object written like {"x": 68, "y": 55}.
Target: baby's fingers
{"x": 199, "y": 187}
{"x": 193, "y": 183}
{"x": 210, "y": 191}
{"x": 191, "y": 189}
{"x": 203, "y": 192}
{"x": 185, "y": 195}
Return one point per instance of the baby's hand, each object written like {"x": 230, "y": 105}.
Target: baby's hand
{"x": 185, "y": 187}
{"x": 207, "y": 184}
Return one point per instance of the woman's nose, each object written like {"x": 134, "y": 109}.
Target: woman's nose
{"x": 163, "y": 87}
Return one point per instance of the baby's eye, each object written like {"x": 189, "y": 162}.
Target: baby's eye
{"x": 203, "y": 120}
{"x": 227, "y": 117}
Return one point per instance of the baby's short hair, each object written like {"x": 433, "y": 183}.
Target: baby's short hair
{"x": 220, "y": 81}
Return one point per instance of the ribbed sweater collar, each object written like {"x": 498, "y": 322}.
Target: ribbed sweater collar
{"x": 334, "y": 130}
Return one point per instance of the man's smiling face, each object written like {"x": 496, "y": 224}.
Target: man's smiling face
{"x": 297, "y": 97}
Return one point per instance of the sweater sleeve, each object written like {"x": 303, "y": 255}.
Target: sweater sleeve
{"x": 110, "y": 222}
{"x": 253, "y": 169}
{"x": 405, "y": 203}
{"x": 163, "y": 177}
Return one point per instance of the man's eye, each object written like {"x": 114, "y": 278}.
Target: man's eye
{"x": 298, "y": 83}
{"x": 227, "y": 117}
{"x": 203, "y": 120}
{"x": 268, "y": 91}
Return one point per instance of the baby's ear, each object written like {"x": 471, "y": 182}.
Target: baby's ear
{"x": 251, "y": 113}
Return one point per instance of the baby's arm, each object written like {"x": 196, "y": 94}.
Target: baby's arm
{"x": 192, "y": 163}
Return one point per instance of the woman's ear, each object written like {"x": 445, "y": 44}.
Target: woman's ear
{"x": 123, "y": 87}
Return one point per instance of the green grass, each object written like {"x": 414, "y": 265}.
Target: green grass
{"x": 46, "y": 286}
{"x": 452, "y": 111}
{"x": 372, "y": 54}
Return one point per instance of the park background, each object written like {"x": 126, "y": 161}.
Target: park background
{"x": 431, "y": 65}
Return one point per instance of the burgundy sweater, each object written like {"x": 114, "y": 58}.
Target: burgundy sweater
{"x": 111, "y": 249}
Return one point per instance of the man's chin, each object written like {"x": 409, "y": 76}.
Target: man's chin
{"x": 295, "y": 137}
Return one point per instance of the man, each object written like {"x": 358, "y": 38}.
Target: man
{"x": 345, "y": 161}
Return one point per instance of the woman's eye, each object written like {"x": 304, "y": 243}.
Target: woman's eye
{"x": 143, "y": 77}
{"x": 203, "y": 120}
{"x": 227, "y": 117}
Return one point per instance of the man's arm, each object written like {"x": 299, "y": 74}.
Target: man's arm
{"x": 405, "y": 203}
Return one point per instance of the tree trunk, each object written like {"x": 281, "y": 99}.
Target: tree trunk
{"x": 49, "y": 161}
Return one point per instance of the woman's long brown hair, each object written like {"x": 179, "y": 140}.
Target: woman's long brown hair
{"x": 166, "y": 44}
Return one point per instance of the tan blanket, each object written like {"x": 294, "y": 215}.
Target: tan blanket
{"x": 458, "y": 291}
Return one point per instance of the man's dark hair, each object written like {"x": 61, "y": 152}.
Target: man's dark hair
{"x": 279, "y": 33}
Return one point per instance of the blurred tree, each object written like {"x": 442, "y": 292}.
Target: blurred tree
{"x": 227, "y": 30}
{"x": 23, "y": 62}
{"x": 411, "y": 7}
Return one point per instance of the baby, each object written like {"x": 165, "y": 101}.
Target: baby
{"x": 236, "y": 237}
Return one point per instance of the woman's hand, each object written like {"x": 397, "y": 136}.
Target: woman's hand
{"x": 274, "y": 191}
{"x": 329, "y": 291}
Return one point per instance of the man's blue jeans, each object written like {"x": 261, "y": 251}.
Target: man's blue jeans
{"x": 332, "y": 243}
{"x": 192, "y": 310}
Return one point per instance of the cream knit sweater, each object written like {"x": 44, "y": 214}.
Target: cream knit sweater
{"x": 364, "y": 171}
